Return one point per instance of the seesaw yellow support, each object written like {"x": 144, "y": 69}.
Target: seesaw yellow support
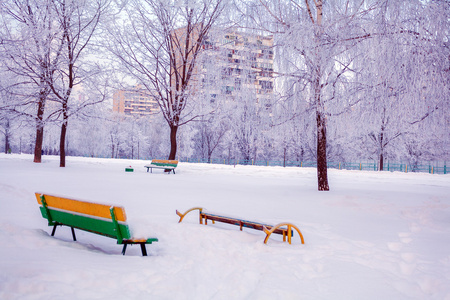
{"x": 289, "y": 226}
{"x": 189, "y": 210}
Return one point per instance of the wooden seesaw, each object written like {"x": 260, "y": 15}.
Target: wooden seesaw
{"x": 268, "y": 229}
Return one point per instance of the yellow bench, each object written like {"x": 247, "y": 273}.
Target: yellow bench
{"x": 106, "y": 220}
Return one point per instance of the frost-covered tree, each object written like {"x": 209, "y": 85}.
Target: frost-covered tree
{"x": 249, "y": 122}
{"x": 316, "y": 37}
{"x": 89, "y": 131}
{"x": 209, "y": 135}
{"x": 292, "y": 121}
{"x": 5, "y": 129}
{"x": 405, "y": 73}
{"x": 5, "y": 119}
{"x": 213, "y": 121}
{"x": 159, "y": 44}
{"x": 78, "y": 21}
{"x": 44, "y": 43}
{"x": 31, "y": 46}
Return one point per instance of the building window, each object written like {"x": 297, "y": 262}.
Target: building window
{"x": 228, "y": 89}
{"x": 266, "y": 85}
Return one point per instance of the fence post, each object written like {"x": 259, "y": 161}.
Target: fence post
{"x": 301, "y": 164}
{"x": 445, "y": 169}
{"x": 339, "y": 166}
{"x": 406, "y": 169}
{"x": 432, "y": 171}
{"x": 360, "y": 167}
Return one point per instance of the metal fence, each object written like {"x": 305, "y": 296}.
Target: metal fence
{"x": 430, "y": 167}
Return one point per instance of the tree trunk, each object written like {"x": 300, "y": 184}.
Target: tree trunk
{"x": 62, "y": 142}
{"x": 322, "y": 175}
{"x": 209, "y": 156}
{"x": 173, "y": 142}
{"x": 6, "y": 143}
{"x": 381, "y": 149}
{"x": 38, "y": 145}
{"x": 321, "y": 152}
{"x": 39, "y": 129}
{"x": 7, "y": 133}
{"x": 381, "y": 161}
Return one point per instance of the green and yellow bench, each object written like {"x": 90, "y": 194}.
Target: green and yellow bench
{"x": 106, "y": 220}
{"x": 168, "y": 165}
{"x": 285, "y": 229}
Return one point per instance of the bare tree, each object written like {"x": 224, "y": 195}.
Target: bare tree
{"x": 159, "y": 46}
{"x": 32, "y": 44}
{"x": 316, "y": 37}
{"x": 210, "y": 132}
{"x": 405, "y": 73}
{"x": 78, "y": 21}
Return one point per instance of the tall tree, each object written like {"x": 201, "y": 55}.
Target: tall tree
{"x": 317, "y": 36}
{"x": 78, "y": 20}
{"x": 159, "y": 46}
{"x": 32, "y": 44}
{"x": 405, "y": 70}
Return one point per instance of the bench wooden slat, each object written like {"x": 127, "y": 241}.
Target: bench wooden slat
{"x": 164, "y": 162}
{"x": 160, "y": 167}
{"x": 242, "y": 223}
{"x": 94, "y": 225}
{"x": 164, "y": 165}
{"x": 168, "y": 165}
{"x": 83, "y": 207}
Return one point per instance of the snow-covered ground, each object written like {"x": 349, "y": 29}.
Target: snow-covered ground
{"x": 373, "y": 236}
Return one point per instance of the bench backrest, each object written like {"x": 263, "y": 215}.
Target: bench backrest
{"x": 103, "y": 219}
{"x": 164, "y": 162}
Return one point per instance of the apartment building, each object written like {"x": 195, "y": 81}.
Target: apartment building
{"x": 134, "y": 102}
{"x": 238, "y": 61}
{"x": 232, "y": 63}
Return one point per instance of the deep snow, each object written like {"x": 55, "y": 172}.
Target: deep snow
{"x": 375, "y": 235}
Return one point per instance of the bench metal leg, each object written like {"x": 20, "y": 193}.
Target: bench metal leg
{"x": 54, "y": 229}
{"x": 144, "y": 251}
{"x": 73, "y": 234}
{"x": 71, "y": 228}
